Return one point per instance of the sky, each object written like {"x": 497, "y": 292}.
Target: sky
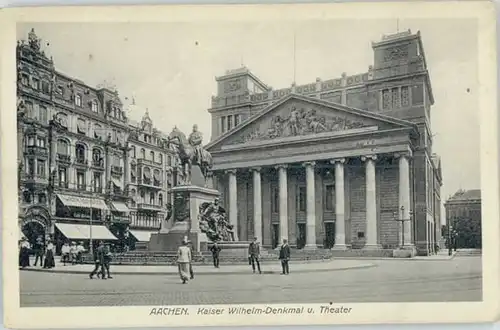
{"x": 170, "y": 69}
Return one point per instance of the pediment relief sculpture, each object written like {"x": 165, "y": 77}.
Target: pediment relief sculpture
{"x": 299, "y": 122}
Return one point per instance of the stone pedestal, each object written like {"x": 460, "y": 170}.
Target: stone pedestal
{"x": 187, "y": 200}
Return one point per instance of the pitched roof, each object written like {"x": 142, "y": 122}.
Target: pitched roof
{"x": 463, "y": 195}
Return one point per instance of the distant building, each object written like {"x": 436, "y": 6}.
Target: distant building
{"x": 464, "y": 204}
{"x": 332, "y": 163}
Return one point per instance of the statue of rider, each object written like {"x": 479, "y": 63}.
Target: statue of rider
{"x": 195, "y": 140}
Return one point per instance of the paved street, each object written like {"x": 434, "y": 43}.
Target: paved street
{"x": 458, "y": 279}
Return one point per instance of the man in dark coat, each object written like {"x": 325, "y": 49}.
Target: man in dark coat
{"x": 107, "y": 261}
{"x": 215, "y": 249}
{"x": 254, "y": 254}
{"x": 285, "y": 257}
{"x": 98, "y": 261}
{"x": 39, "y": 249}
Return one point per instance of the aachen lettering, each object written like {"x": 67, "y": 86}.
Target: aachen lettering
{"x": 169, "y": 311}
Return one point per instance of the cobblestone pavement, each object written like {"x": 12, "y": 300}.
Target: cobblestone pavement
{"x": 458, "y": 279}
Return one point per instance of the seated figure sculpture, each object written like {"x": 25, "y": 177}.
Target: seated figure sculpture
{"x": 214, "y": 223}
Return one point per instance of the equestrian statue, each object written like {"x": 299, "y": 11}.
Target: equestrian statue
{"x": 191, "y": 152}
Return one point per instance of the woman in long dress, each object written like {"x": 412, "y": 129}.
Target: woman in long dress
{"x": 24, "y": 256}
{"x": 183, "y": 261}
{"x": 49, "y": 256}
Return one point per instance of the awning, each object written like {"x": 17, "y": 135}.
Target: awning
{"x": 84, "y": 202}
{"x": 80, "y": 231}
{"x": 142, "y": 235}
{"x": 116, "y": 182}
{"x": 119, "y": 207}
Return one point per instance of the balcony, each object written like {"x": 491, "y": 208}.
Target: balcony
{"x": 116, "y": 170}
{"x": 143, "y": 161}
{"x": 149, "y": 184}
{"x": 81, "y": 161}
{"x": 37, "y": 151}
{"x": 151, "y": 207}
{"x": 81, "y": 187}
{"x": 99, "y": 163}
{"x": 64, "y": 158}
{"x": 30, "y": 179}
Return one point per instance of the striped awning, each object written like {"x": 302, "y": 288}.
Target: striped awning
{"x": 85, "y": 232}
{"x": 119, "y": 207}
{"x": 82, "y": 201}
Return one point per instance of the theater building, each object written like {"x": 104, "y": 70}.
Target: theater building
{"x": 339, "y": 163}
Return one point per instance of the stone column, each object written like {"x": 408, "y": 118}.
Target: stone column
{"x": 339, "y": 204}
{"x": 371, "y": 203}
{"x": 233, "y": 202}
{"x": 126, "y": 171}
{"x": 311, "y": 207}
{"x": 283, "y": 200}
{"x": 53, "y": 152}
{"x": 404, "y": 196}
{"x": 257, "y": 204}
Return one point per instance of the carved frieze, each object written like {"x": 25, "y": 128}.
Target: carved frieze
{"x": 232, "y": 85}
{"x": 299, "y": 122}
{"x": 396, "y": 53}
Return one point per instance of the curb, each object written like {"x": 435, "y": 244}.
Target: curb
{"x": 197, "y": 273}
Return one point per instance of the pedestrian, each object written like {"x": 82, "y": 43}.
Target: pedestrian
{"x": 24, "y": 253}
{"x": 49, "y": 256}
{"x": 254, "y": 254}
{"x": 215, "y": 254}
{"x": 65, "y": 253}
{"x": 79, "y": 252}
{"x": 107, "y": 261}
{"x": 39, "y": 250}
{"x": 183, "y": 261}
{"x": 285, "y": 257}
{"x": 98, "y": 261}
{"x": 73, "y": 251}
{"x": 191, "y": 272}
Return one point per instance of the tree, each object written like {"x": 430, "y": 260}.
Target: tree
{"x": 468, "y": 232}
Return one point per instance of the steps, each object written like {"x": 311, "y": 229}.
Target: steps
{"x": 469, "y": 252}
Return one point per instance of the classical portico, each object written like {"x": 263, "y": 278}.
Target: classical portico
{"x": 339, "y": 187}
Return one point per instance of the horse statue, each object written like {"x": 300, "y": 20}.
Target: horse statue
{"x": 191, "y": 152}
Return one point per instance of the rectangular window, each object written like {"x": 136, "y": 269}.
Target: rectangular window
{"x": 405, "y": 96}
{"x": 35, "y": 83}
{"x": 62, "y": 175}
{"x": 25, "y": 80}
{"x": 93, "y": 106}
{"x": 80, "y": 179}
{"x": 302, "y": 199}
{"x": 329, "y": 197}
{"x": 45, "y": 87}
{"x": 29, "y": 109}
{"x": 275, "y": 200}
{"x": 236, "y": 120}
{"x": 31, "y": 166}
{"x": 40, "y": 142}
{"x": 229, "y": 122}
{"x": 97, "y": 181}
{"x": 40, "y": 168}
{"x": 223, "y": 124}
{"x": 395, "y": 98}
{"x": 42, "y": 114}
{"x": 386, "y": 99}
{"x": 78, "y": 100}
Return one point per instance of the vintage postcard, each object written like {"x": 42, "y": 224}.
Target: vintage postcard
{"x": 249, "y": 165}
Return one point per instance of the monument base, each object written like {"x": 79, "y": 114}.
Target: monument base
{"x": 187, "y": 200}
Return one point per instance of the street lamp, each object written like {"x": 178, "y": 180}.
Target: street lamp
{"x": 400, "y": 217}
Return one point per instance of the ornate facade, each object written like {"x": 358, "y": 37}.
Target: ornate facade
{"x": 341, "y": 163}
{"x": 75, "y": 156}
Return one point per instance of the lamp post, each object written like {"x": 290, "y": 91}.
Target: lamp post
{"x": 91, "y": 244}
{"x": 400, "y": 217}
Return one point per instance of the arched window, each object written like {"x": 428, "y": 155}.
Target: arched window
{"x": 80, "y": 153}
{"x": 160, "y": 199}
{"x": 152, "y": 198}
{"x": 63, "y": 147}
{"x": 152, "y": 154}
{"x": 143, "y": 153}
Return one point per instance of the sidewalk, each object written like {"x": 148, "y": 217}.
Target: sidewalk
{"x": 274, "y": 268}
{"x": 440, "y": 256}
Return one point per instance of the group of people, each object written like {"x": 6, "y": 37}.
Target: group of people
{"x": 184, "y": 258}
{"x": 72, "y": 253}
{"x": 44, "y": 252}
{"x": 102, "y": 261}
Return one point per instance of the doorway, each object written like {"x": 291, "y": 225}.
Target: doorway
{"x": 33, "y": 230}
{"x": 301, "y": 235}
{"x": 329, "y": 235}
{"x": 275, "y": 235}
